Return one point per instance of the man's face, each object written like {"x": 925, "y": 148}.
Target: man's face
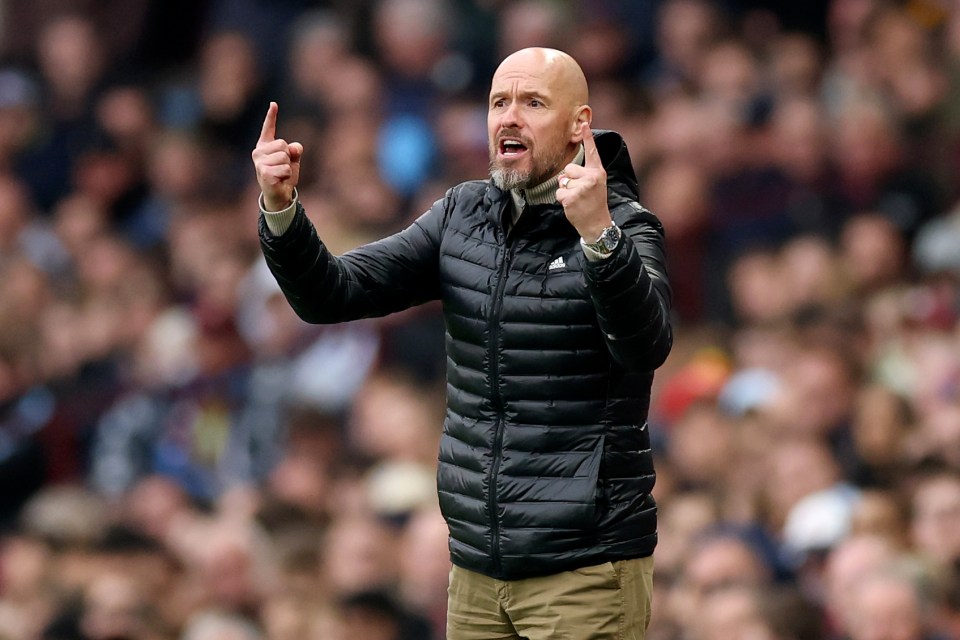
{"x": 530, "y": 125}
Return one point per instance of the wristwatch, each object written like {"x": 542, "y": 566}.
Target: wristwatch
{"x": 606, "y": 243}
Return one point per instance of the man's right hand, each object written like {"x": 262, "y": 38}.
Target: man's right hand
{"x": 277, "y": 164}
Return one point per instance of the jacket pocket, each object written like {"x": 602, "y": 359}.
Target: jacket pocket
{"x": 551, "y": 501}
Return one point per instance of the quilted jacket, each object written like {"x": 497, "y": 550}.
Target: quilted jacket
{"x": 544, "y": 462}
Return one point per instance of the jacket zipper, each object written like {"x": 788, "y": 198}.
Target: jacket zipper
{"x": 492, "y": 504}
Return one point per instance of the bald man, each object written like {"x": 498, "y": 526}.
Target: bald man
{"x": 556, "y": 306}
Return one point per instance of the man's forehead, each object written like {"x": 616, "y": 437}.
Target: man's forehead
{"x": 538, "y": 80}
{"x": 529, "y": 82}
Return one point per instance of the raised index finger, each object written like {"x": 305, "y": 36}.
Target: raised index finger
{"x": 591, "y": 156}
{"x": 269, "y": 131}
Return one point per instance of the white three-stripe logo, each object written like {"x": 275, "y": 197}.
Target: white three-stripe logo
{"x": 557, "y": 264}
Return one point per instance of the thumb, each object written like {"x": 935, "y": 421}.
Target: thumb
{"x": 296, "y": 151}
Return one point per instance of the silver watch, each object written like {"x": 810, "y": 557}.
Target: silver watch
{"x": 607, "y": 242}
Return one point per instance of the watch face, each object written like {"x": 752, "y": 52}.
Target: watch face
{"x": 609, "y": 238}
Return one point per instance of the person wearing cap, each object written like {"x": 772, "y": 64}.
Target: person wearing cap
{"x": 557, "y": 312}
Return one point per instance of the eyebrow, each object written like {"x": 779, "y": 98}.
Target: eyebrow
{"x": 522, "y": 94}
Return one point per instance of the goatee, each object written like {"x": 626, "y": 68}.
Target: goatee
{"x": 507, "y": 179}
{"x": 543, "y": 168}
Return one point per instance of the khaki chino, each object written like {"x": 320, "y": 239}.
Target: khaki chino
{"x": 609, "y": 601}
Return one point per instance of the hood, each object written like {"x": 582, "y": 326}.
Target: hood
{"x": 616, "y": 160}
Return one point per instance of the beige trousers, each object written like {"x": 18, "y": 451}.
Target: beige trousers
{"x": 610, "y": 601}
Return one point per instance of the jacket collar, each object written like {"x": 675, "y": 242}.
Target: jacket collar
{"x": 546, "y": 191}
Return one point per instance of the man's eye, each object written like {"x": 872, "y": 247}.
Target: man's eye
{"x": 536, "y": 103}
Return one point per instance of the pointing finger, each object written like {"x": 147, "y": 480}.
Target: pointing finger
{"x": 591, "y": 155}
{"x": 269, "y": 131}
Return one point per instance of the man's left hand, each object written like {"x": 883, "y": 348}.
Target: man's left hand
{"x": 583, "y": 191}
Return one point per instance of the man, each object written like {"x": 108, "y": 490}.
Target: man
{"x": 556, "y": 306}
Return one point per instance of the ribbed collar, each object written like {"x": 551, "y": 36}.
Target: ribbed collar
{"x": 543, "y": 193}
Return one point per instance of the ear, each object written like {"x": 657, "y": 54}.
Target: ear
{"x": 583, "y": 114}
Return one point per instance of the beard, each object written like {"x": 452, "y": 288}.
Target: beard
{"x": 544, "y": 164}
{"x": 507, "y": 179}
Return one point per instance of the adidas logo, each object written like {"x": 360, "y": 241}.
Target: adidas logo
{"x": 556, "y": 264}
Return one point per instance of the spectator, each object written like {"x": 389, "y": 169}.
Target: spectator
{"x": 889, "y": 604}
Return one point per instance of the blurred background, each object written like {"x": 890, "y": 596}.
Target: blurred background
{"x": 181, "y": 457}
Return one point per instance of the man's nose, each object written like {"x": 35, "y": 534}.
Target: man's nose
{"x": 511, "y": 116}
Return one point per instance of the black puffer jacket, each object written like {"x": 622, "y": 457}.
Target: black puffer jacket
{"x": 545, "y": 460}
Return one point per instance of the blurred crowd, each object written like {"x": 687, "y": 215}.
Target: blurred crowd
{"x": 181, "y": 457}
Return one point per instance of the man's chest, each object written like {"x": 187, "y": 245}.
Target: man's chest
{"x": 537, "y": 270}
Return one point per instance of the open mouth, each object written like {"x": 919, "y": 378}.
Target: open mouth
{"x": 511, "y": 148}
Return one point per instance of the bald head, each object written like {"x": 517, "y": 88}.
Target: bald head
{"x": 538, "y": 105}
{"x": 558, "y": 70}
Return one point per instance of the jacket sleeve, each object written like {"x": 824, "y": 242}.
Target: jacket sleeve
{"x": 631, "y": 293}
{"x": 379, "y": 278}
